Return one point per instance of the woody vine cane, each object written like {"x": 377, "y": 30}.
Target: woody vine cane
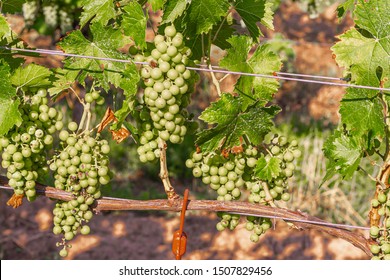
{"x": 236, "y": 156}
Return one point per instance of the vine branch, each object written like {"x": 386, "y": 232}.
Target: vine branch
{"x": 107, "y": 204}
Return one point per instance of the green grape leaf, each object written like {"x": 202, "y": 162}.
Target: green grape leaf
{"x": 253, "y": 11}
{"x": 219, "y": 36}
{"x": 232, "y": 123}
{"x": 129, "y": 84}
{"x": 31, "y": 76}
{"x": 202, "y": 15}
{"x": 267, "y": 169}
{"x": 343, "y": 8}
{"x": 5, "y": 30}
{"x": 173, "y": 9}
{"x": 9, "y": 104}
{"x": 9, "y": 38}
{"x": 362, "y": 50}
{"x": 344, "y": 153}
{"x": 11, "y": 6}
{"x": 130, "y": 80}
{"x": 156, "y": 4}
{"x": 221, "y": 33}
{"x": 263, "y": 61}
{"x": 105, "y": 44}
{"x": 97, "y": 11}
{"x": 134, "y": 23}
{"x": 64, "y": 79}
{"x": 361, "y": 111}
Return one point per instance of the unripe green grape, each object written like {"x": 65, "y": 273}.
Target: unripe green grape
{"x": 172, "y": 51}
{"x": 186, "y": 74}
{"x": 254, "y": 238}
{"x": 63, "y": 135}
{"x": 179, "y": 81}
{"x": 286, "y": 197}
{"x": 385, "y": 248}
{"x": 374, "y": 231}
{"x": 156, "y": 54}
{"x": 206, "y": 180}
{"x": 189, "y": 163}
{"x": 158, "y": 39}
{"x": 249, "y": 226}
{"x": 88, "y": 98}
{"x": 297, "y": 153}
{"x": 236, "y": 193}
{"x": 175, "y": 139}
{"x": 220, "y": 226}
{"x": 288, "y": 156}
{"x": 170, "y": 31}
{"x": 382, "y": 198}
{"x": 156, "y": 73}
{"x": 88, "y": 215}
{"x": 374, "y": 203}
{"x": 69, "y": 235}
{"x": 162, "y": 47}
{"x": 63, "y": 253}
{"x": 85, "y": 230}
{"x": 197, "y": 172}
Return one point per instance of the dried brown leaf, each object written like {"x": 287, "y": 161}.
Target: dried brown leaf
{"x": 108, "y": 118}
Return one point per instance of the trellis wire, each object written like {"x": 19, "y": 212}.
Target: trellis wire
{"x": 245, "y": 214}
{"x": 278, "y": 75}
{"x": 217, "y": 67}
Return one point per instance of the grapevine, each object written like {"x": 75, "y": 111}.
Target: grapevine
{"x": 150, "y": 85}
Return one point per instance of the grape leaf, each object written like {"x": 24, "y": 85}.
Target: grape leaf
{"x": 31, "y": 76}
{"x": 105, "y": 43}
{"x": 232, "y": 123}
{"x": 219, "y": 35}
{"x": 202, "y": 15}
{"x": 130, "y": 80}
{"x": 129, "y": 84}
{"x": 156, "y": 4}
{"x": 9, "y": 104}
{"x": 173, "y": 9}
{"x": 362, "y": 50}
{"x": 64, "y": 80}
{"x": 5, "y": 30}
{"x": 267, "y": 170}
{"x": 134, "y": 23}
{"x": 253, "y": 11}
{"x": 11, "y": 6}
{"x": 343, "y": 8}
{"x": 344, "y": 153}
{"x": 97, "y": 11}
{"x": 263, "y": 61}
{"x": 361, "y": 110}
{"x": 9, "y": 38}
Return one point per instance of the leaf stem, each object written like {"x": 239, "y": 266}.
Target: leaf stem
{"x": 368, "y": 174}
{"x": 215, "y": 81}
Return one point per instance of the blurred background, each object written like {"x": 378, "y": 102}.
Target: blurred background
{"x": 303, "y": 36}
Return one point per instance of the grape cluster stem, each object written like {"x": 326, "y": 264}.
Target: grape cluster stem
{"x": 164, "y": 175}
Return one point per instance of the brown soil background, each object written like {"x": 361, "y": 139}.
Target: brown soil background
{"x": 25, "y": 233}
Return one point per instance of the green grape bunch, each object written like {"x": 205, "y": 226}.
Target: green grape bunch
{"x": 30, "y": 10}
{"x": 80, "y": 167}
{"x": 167, "y": 84}
{"x": 381, "y": 233}
{"x": 24, "y": 148}
{"x": 46, "y": 17}
{"x": 238, "y": 174}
